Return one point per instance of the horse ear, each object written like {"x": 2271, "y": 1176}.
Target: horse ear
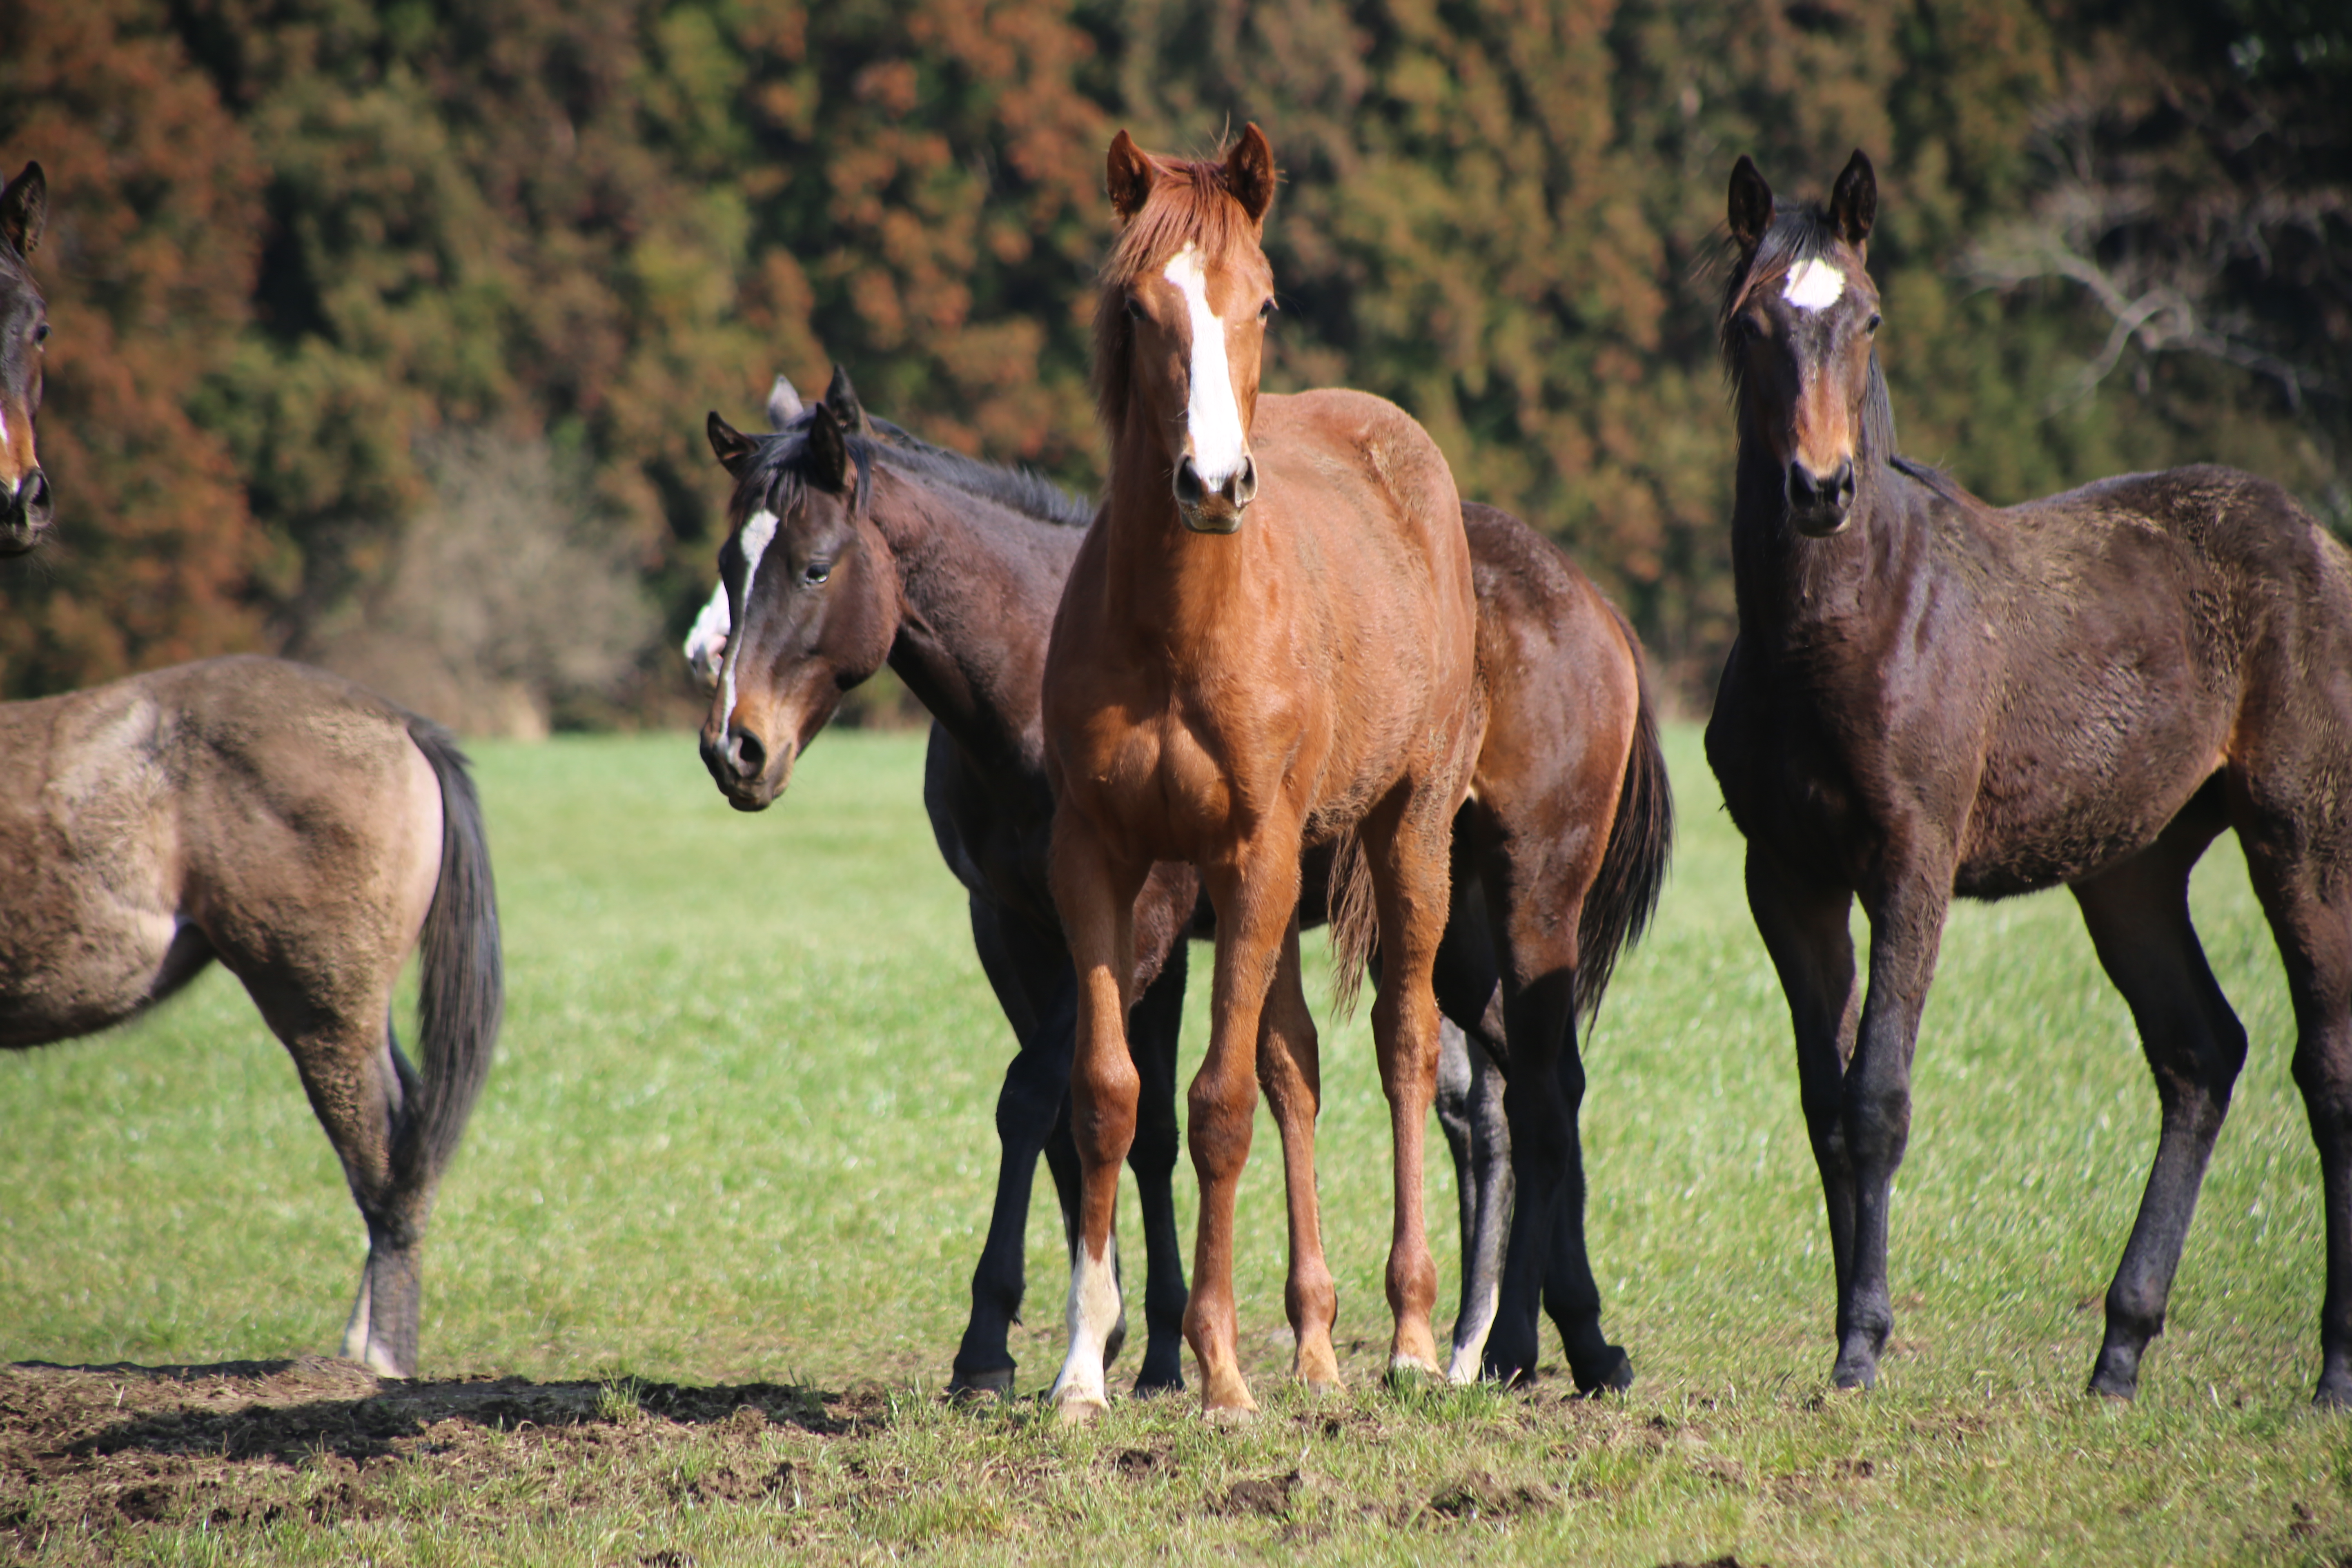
{"x": 731, "y": 444}
{"x": 1751, "y": 204}
{"x": 828, "y": 451}
{"x": 1854, "y": 200}
{"x": 1130, "y": 174}
{"x": 25, "y": 209}
{"x": 1249, "y": 172}
{"x": 783, "y": 405}
{"x": 842, "y": 398}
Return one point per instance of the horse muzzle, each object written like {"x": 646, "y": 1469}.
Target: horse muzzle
{"x": 26, "y": 516}
{"x": 1820, "y": 504}
{"x": 1218, "y": 510}
{"x": 746, "y": 773}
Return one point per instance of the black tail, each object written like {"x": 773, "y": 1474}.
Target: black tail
{"x": 1634, "y": 867}
{"x": 461, "y": 992}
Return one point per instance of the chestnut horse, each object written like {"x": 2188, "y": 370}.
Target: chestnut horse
{"x": 1932, "y": 696}
{"x": 24, "y": 327}
{"x": 950, "y": 568}
{"x": 307, "y": 835}
{"x": 1250, "y": 659}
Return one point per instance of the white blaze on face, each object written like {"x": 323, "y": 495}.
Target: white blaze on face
{"x": 706, "y": 645}
{"x": 1813, "y": 285}
{"x": 1210, "y": 415}
{"x": 759, "y": 533}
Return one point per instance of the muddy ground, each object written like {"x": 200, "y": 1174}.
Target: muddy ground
{"x": 250, "y": 1442}
{"x": 91, "y": 1455}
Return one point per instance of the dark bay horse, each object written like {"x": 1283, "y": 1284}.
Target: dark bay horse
{"x": 1932, "y": 696}
{"x": 1267, "y": 642}
{"x": 310, "y": 837}
{"x": 24, "y": 510}
{"x": 950, "y": 568}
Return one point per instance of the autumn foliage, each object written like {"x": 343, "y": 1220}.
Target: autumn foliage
{"x": 298, "y": 248}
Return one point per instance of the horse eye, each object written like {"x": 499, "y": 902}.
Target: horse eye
{"x": 1871, "y": 325}
{"x": 41, "y": 334}
{"x": 816, "y": 572}
{"x": 1265, "y": 311}
{"x": 1134, "y": 309}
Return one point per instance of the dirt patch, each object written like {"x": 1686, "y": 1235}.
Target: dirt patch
{"x": 1479, "y": 1496}
{"x": 93, "y": 1448}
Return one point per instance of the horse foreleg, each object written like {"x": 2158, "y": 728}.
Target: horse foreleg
{"x": 1030, "y": 973}
{"x": 1408, "y": 856}
{"x": 2139, "y": 918}
{"x": 1805, "y": 929}
{"x": 1257, "y": 900}
{"x": 1151, "y": 1033}
{"x": 1906, "y": 928}
{"x": 1289, "y": 1067}
{"x": 1096, "y": 899}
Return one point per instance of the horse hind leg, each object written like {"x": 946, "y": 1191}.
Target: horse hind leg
{"x": 2138, "y": 914}
{"x": 2310, "y": 910}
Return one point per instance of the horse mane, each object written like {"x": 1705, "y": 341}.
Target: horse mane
{"x": 1189, "y": 201}
{"x": 778, "y": 480}
{"x": 1800, "y": 233}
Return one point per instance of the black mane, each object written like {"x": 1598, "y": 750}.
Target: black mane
{"x": 777, "y": 478}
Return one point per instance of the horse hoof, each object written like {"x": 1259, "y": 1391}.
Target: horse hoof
{"x": 996, "y": 1382}
{"x": 1407, "y": 1374}
{"x": 1611, "y": 1373}
{"x": 1080, "y": 1412}
{"x": 1854, "y": 1376}
{"x": 2115, "y": 1376}
{"x": 1148, "y": 1386}
{"x": 1230, "y": 1416}
{"x": 2335, "y": 1391}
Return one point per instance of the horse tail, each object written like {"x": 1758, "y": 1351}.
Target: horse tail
{"x": 461, "y": 990}
{"x": 1354, "y": 921}
{"x": 1625, "y": 892}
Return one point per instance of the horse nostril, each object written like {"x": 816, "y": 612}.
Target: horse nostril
{"x": 1244, "y": 486}
{"x": 35, "y": 495}
{"x": 1189, "y": 491}
{"x": 744, "y": 750}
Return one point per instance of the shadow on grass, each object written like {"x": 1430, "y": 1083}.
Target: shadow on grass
{"x": 296, "y": 1412}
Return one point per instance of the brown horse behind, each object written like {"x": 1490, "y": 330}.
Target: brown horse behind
{"x": 1265, "y": 643}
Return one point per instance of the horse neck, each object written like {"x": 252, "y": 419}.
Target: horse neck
{"x": 977, "y": 585}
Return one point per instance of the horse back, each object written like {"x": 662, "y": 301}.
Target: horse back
{"x": 245, "y": 808}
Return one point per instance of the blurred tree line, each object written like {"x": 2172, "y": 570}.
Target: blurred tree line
{"x": 385, "y": 328}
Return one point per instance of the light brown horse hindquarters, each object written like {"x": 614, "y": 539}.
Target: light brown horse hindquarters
{"x": 1245, "y": 660}
{"x": 310, "y": 837}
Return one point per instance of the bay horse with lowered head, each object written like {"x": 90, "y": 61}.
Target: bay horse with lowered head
{"x": 24, "y": 508}
{"x": 307, "y": 835}
{"x": 853, "y": 542}
{"x": 1249, "y": 659}
{"x": 1931, "y": 696}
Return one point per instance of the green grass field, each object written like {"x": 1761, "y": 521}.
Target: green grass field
{"x": 740, "y": 1129}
